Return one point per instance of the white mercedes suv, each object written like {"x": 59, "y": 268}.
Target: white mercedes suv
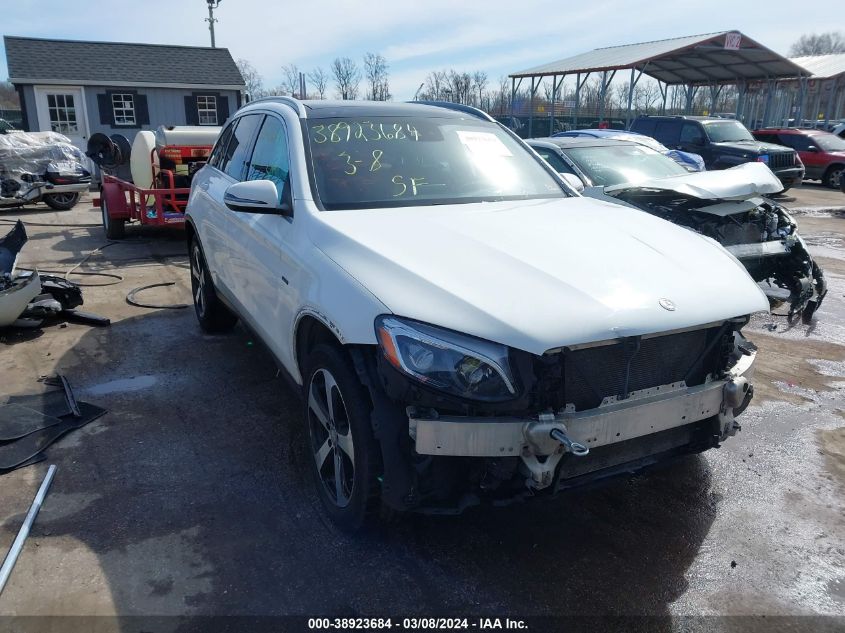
{"x": 463, "y": 325}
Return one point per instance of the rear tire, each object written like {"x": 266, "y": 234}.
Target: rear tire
{"x": 60, "y": 201}
{"x": 340, "y": 439}
{"x": 115, "y": 228}
{"x": 213, "y": 316}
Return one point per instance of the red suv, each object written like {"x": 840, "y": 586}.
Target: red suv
{"x": 822, "y": 153}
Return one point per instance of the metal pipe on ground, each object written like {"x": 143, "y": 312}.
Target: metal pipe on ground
{"x": 20, "y": 539}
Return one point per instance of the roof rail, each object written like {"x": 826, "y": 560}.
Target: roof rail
{"x": 460, "y": 107}
{"x": 296, "y": 104}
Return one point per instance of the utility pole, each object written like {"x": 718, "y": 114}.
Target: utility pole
{"x": 212, "y": 5}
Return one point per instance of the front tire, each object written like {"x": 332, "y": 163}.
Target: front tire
{"x": 342, "y": 452}
{"x": 833, "y": 177}
{"x": 60, "y": 201}
{"x": 213, "y": 316}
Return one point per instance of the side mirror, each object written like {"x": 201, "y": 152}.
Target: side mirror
{"x": 255, "y": 196}
{"x": 573, "y": 181}
{"x": 812, "y": 148}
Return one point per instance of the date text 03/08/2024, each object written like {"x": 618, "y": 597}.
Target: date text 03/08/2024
{"x": 411, "y": 624}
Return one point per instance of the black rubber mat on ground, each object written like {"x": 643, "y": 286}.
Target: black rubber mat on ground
{"x": 17, "y": 421}
{"x": 20, "y": 452}
{"x": 52, "y": 403}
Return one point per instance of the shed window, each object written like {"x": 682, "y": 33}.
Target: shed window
{"x": 207, "y": 109}
{"x": 123, "y": 107}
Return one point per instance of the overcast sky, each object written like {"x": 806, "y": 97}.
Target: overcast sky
{"x": 497, "y": 36}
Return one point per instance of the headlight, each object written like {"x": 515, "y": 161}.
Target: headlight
{"x": 455, "y": 363}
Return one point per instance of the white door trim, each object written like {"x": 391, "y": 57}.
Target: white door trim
{"x": 44, "y": 117}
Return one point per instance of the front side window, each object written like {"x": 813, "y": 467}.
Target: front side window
{"x": 270, "y": 156}
{"x": 692, "y": 134}
{"x": 727, "y": 131}
{"x": 207, "y": 109}
{"x": 123, "y": 107}
{"x": 376, "y": 162}
{"x": 616, "y": 164}
{"x": 237, "y": 149}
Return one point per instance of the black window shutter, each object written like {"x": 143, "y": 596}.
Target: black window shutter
{"x": 106, "y": 111}
{"x": 191, "y": 114}
{"x": 142, "y": 112}
{"x": 222, "y": 109}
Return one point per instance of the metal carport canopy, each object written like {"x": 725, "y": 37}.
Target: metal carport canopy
{"x": 713, "y": 58}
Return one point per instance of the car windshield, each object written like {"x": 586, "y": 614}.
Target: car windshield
{"x": 829, "y": 142}
{"x": 616, "y": 164}
{"x": 727, "y": 131}
{"x": 374, "y": 162}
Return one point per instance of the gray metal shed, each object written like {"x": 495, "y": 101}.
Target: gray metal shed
{"x": 81, "y": 87}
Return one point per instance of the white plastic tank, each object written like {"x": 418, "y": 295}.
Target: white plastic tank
{"x": 186, "y": 135}
{"x": 139, "y": 159}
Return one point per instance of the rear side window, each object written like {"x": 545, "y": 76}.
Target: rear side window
{"x": 237, "y": 149}
{"x": 270, "y": 156}
{"x": 219, "y": 149}
{"x": 795, "y": 141}
{"x": 668, "y": 132}
{"x": 769, "y": 138}
{"x": 644, "y": 126}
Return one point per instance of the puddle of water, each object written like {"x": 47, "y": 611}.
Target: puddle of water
{"x": 123, "y": 384}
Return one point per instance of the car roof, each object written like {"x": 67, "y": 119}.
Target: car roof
{"x": 791, "y": 130}
{"x": 685, "y": 117}
{"x": 597, "y": 133}
{"x": 326, "y": 109}
{"x": 565, "y": 142}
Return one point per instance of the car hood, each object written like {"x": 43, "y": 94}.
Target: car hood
{"x": 736, "y": 183}
{"x": 539, "y": 274}
{"x": 752, "y": 146}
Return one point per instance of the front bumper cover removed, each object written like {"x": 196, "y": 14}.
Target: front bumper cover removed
{"x": 533, "y": 440}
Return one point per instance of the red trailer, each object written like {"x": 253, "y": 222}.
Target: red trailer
{"x": 163, "y": 202}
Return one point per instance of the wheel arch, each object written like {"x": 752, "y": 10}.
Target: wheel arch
{"x": 312, "y": 329}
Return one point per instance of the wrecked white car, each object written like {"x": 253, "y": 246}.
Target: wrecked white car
{"x": 464, "y": 327}
{"x": 729, "y": 206}
{"x": 27, "y": 299}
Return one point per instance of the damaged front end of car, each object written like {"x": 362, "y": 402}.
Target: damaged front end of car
{"x": 463, "y": 421}
{"x": 756, "y": 230}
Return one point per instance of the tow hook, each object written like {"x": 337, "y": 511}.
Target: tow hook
{"x": 576, "y": 448}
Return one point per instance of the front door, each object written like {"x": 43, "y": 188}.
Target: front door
{"x": 62, "y": 110}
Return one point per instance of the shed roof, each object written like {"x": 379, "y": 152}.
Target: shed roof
{"x": 722, "y": 57}
{"x": 35, "y": 60}
{"x": 822, "y": 66}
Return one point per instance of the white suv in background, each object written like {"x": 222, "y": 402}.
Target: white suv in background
{"x": 464, "y": 326}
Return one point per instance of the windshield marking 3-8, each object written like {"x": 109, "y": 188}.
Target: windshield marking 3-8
{"x": 388, "y": 161}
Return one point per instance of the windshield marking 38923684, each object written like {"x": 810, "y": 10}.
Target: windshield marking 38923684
{"x": 389, "y": 161}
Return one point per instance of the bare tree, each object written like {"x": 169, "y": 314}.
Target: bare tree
{"x": 479, "y": 84}
{"x": 819, "y": 44}
{"x": 375, "y": 68}
{"x": 347, "y": 76}
{"x": 434, "y": 86}
{"x": 290, "y": 79}
{"x": 8, "y": 96}
{"x": 459, "y": 86}
{"x": 252, "y": 79}
{"x": 319, "y": 78}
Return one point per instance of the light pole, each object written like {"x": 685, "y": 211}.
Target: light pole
{"x": 212, "y": 5}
